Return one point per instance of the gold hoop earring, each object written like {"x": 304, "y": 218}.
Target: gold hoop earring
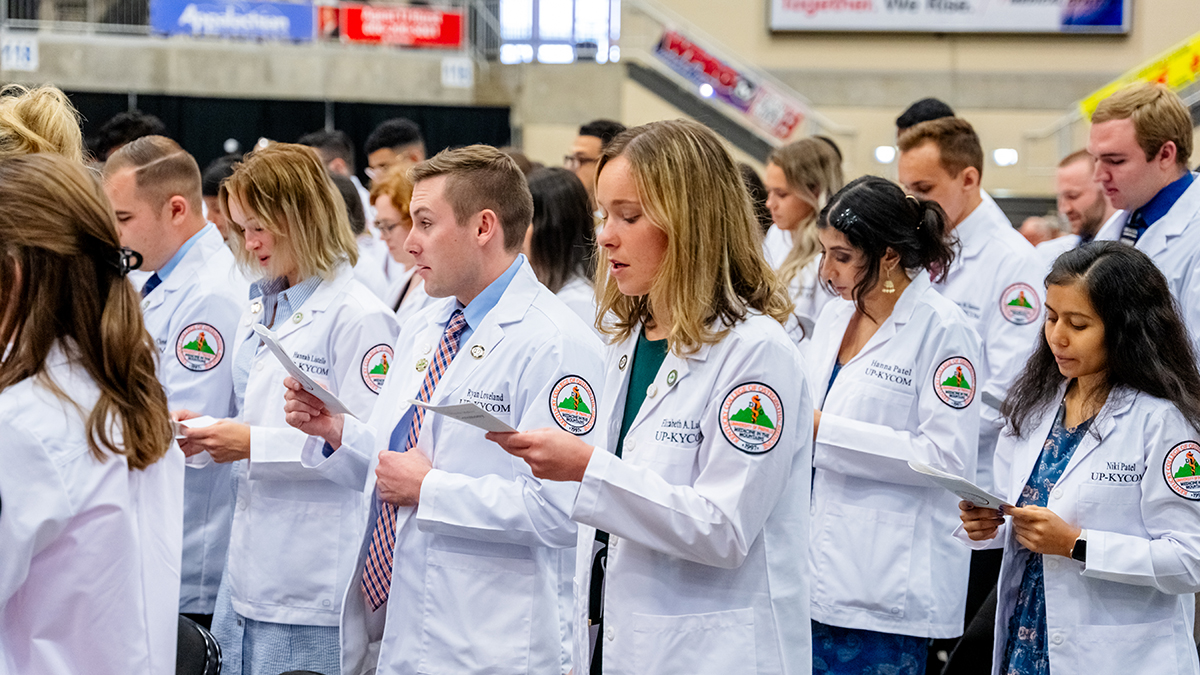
{"x": 888, "y": 286}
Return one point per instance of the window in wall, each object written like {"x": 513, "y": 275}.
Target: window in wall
{"x": 559, "y": 31}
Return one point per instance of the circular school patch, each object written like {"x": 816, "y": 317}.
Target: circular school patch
{"x": 1181, "y": 470}
{"x": 752, "y": 418}
{"x": 1020, "y": 304}
{"x": 954, "y": 382}
{"x": 573, "y": 405}
{"x": 375, "y": 366}
{"x": 199, "y": 347}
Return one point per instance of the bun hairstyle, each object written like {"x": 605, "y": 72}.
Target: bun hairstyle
{"x": 875, "y": 215}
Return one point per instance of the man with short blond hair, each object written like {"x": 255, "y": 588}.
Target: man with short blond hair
{"x": 1141, "y": 140}
{"x": 191, "y": 304}
{"x": 466, "y": 562}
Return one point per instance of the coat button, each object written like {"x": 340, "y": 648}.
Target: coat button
{"x": 241, "y": 505}
{"x": 629, "y": 443}
{"x": 895, "y": 610}
{"x": 326, "y": 603}
{"x": 1058, "y": 639}
{"x": 425, "y": 348}
{"x": 608, "y": 633}
{"x": 652, "y": 391}
{"x": 1057, "y": 493}
{"x": 258, "y": 366}
{"x": 1051, "y": 564}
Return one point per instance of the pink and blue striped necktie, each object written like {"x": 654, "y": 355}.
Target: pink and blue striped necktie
{"x": 377, "y": 572}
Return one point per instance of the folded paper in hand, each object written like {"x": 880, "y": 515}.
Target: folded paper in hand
{"x": 470, "y": 414}
{"x": 193, "y": 423}
{"x": 960, "y": 486}
{"x": 332, "y": 404}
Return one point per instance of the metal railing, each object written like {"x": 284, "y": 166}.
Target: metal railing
{"x": 78, "y": 16}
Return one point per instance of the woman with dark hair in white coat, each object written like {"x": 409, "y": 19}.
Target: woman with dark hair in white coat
{"x": 1102, "y": 552}
{"x": 892, "y": 367}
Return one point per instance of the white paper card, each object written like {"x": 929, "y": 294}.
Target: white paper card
{"x": 194, "y": 423}
{"x": 468, "y": 413}
{"x": 332, "y": 404}
{"x": 960, "y": 486}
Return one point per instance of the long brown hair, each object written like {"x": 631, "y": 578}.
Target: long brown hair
{"x": 713, "y": 273}
{"x": 62, "y": 282}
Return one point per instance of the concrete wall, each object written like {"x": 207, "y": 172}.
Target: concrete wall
{"x": 1014, "y": 88}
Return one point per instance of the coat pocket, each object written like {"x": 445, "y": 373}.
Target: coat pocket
{"x": 862, "y": 559}
{"x": 717, "y": 643}
{"x": 293, "y": 557}
{"x": 478, "y": 614}
{"x": 1139, "y": 648}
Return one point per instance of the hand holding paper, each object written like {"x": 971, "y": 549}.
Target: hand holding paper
{"x": 332, "y": 403}
{"x": 468, "y": 413}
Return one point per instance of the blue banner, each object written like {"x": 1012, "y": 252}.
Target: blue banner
{"x": 252, "y": 20}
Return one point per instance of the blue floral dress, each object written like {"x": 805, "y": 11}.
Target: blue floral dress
{"x": 1025, "y": 652}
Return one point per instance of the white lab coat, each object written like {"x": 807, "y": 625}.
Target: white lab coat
{"x": 579, "y": 295}
{"x": 1173, "y": 243}
{"x": 205, "y": 292}
{"x": 1129, "y": 609}
{"x": 481, "y": 578}
{"x": 294, "y": 531}
{"x": 371, "y": 268}
{"x": 993, "y": 267}
{"x": 806, "y": 289}
{"x": 705, "y": 568}
{"x": 882, "y": 557}
{"x": 415, "y": 302}
{"x": 89, "y": 569}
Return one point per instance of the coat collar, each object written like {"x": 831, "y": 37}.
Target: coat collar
{"x": 512, "y": 307}
{"x": 674, "y": 369}
{"x": 975, "y": 230}
{"x": 1120, "y": 402}
{"x": 202, "y": 249}
{"x": 316, "y": 304}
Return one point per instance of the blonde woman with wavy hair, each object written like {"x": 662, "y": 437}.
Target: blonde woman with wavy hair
{"x": 800, "y": 179}
{"x": 92, "y": 484}
{"x": 295, "y": 533}
{"x": 704, "y": 477}
{"x": 38, "y": 120}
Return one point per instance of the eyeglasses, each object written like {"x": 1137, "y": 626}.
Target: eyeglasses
{"x": 385, "y": 228}
{"x": 574, "y": 162}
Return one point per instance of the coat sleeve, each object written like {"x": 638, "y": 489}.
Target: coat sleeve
{"x": 276, "y": 452}
{"x": 715, "y": 520}
{"x": 946, "y": 437}
{"x": 204, "y": 390}
{"x": 1169, "y": 558}
{"x": 1008, "y": 345}
{"x": 36, "y": 505}
{"x": 523, "y": 510}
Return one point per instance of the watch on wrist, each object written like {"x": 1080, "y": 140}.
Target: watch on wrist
{"x": 1079, "y": 550}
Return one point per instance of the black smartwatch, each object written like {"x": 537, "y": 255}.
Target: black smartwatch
{"x": 1079, "y": 550}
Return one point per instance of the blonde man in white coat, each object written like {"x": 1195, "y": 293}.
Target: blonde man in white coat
{"x": 191, "y": 304}
{"x": 1102, "y": 552}
{"x": 294, "y": 531}
{"x": 694, "y": 514}
{"x": 465, "y": 563}
{"x": 1141, "y": 139}
{"x": 92, "y": 484}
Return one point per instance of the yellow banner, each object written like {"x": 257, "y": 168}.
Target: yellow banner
{"x": 1176, "y": 68}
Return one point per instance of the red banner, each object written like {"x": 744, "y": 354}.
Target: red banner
{"x": 401, "y": 26}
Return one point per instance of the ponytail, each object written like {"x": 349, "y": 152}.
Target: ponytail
{"x": 875, "y": 215}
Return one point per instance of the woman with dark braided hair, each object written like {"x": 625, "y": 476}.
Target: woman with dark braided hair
{"x": 91, "y": 522}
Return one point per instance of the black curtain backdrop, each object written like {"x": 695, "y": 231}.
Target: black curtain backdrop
{"x": 202, "y": 125}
